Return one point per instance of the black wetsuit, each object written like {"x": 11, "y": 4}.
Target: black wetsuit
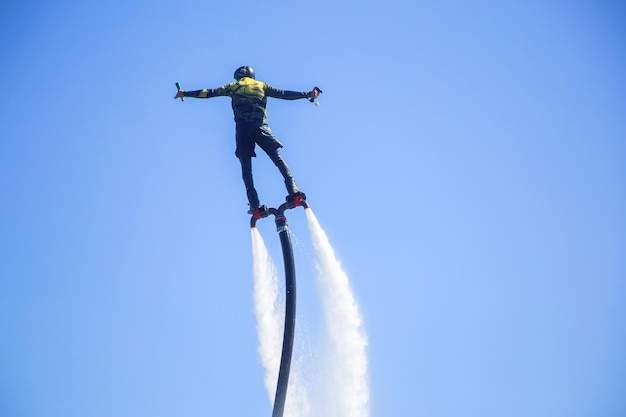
{"x": 249, "y": 98}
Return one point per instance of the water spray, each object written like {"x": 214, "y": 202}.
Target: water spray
{"x": 344, "y": 388}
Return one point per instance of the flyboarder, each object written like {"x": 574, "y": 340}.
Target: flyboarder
{"x": 249, "y": 98}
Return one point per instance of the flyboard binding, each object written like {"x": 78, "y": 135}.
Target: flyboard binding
{"x": 292, "y": 201}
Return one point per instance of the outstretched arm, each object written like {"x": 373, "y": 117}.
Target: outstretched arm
{"x": 289, "y": 95}
{"x": 205, "y": 93}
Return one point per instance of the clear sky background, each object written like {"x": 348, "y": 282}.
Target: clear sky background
{"x": 468, "y": 162}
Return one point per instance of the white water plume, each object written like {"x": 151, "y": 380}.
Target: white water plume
{"x": 340, "y": 383}
{"x": 347, "y": 387}
{"x": 270, "y": 321}
{"x": 265, "y": 309}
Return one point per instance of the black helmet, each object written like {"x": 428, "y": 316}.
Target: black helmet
{"x": 244, "y": 72}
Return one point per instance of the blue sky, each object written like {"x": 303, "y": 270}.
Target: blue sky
{"x": 467, "y": 162}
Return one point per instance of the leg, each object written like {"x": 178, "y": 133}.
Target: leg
{"x": 278, "y": 160}
{"x": 246, "y": 174}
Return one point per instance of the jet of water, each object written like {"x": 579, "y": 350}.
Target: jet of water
{"x": 340, "y": 381}
{"x": 347, "y": 384}
{"x": 270, "y": 316}
{"x": 266, "y": 311}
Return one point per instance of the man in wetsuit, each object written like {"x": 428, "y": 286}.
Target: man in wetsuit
{"x": 249, "y": 98}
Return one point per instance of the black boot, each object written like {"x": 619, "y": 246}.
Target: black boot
{"x": 296, "y": 199}
{"x": 253, "y": 198}
{"x": 259, "y": 212}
